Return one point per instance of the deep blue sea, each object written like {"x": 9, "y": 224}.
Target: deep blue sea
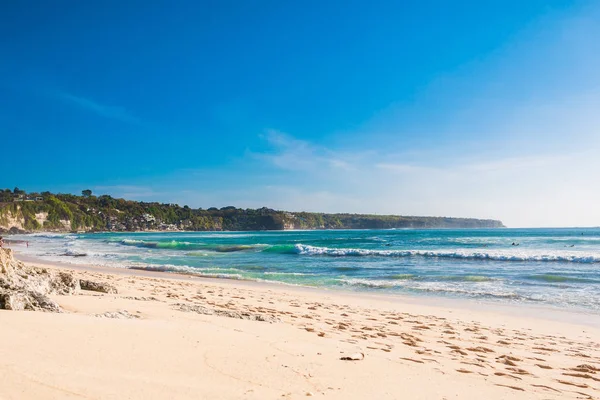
{"x": 557, "y": 267}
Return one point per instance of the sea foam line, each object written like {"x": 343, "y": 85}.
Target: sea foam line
{"x": 459, "y": 254}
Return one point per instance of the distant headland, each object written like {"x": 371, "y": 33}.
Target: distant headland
{"x": 22, "y": 212}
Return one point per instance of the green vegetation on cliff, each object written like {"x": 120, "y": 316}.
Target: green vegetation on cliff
{"x": 20, "y": 211}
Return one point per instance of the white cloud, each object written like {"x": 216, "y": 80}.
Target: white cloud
{"x": 289, "y": 153}
{"x": 111, "y": 112}
{"x": 547, "y": 189}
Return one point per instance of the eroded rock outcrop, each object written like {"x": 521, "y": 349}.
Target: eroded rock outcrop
{"x": 24, "y": 287}
{"x": 101, "y": 287}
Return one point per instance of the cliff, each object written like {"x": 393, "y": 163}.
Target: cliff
{"x": 66, "y": 212}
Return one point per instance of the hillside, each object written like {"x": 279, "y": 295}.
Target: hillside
{"x": 23, "y": 212}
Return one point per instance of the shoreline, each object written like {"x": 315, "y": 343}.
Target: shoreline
{"x": 160, "y": 335}
{"x": 546, "y": 312}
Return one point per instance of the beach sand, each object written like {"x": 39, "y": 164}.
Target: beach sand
{"x": 167, "y": 336}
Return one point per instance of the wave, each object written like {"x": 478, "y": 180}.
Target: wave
{"x": 303, "y": 249}
{"x": 560, "y": 278}
{"x": 437, "y": 288}
{"x": 73, "y": 253}
{"x": 370, "y": 283}
{"x": 450, "y": 278}
{"x": 401, "y": 276}
{"x": 392, "y": 280}
{"x": 219, "y": 273}
{"x": 196, "y": 254}
{"x": 231, "y": 249}
{"x": 281, "y": 249}
{"x": 474, "y": 293}
{"x": 48, "y": 235}
{"x": 466, "y": 278}
{"x": 178, "y": 245}
{"x": 288, "y": 273}
{"x": 160, "y": 245}
{"x": 254, "y": 268}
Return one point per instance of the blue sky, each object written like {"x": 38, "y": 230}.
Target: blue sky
{"x": 484, "y": 109}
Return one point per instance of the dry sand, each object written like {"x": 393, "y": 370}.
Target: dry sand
{"x": 178, "y": 337}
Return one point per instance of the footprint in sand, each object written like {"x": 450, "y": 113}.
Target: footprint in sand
{"x": 518, "y": 371}
{"x": 413, "y": 360}
{"x": 580, "y": 375}
{"x": 507, "y": 375}
{"x": 547, "y": 388}
{"x": 579, "y": 385}
{"x": 480, "y": 349}
{"x": 464, "y": 371}
{"x": 511, "y": 387}
{"x": 586, "y": 368}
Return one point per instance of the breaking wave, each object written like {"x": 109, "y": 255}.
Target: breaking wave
{"x": 303, "y": 249}
{"x": 178, "y": 245}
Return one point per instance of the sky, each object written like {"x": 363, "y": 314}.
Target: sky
{"x": 486, "y": 109}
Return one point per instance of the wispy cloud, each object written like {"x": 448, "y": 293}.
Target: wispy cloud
{"x": 111, "y": 112}
{"x": 289, "y": 153}
{"x": 525, "y": 187}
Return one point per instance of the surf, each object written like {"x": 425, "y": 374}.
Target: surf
{"x": 303, "y": 249}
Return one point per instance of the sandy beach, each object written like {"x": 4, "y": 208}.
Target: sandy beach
{"x": 181, "y": 337}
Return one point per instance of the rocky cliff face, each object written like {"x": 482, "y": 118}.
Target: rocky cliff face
{"x": 12, "y": 223}
{"x": 15, "y": 221}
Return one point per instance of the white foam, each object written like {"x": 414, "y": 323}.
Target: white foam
{"x": 49, "y": 235}
{"x": 565, "y": 256}
{"x": 288, "y": 273}
{"x": 132, "y": 241}
{"x": 373, "y": 283}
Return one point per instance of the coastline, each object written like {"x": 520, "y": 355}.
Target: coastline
{"x": 523, "y": 310}
{"x": 176, "y": 336}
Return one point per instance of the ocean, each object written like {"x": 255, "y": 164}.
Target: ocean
{"x": 554, "y": 267}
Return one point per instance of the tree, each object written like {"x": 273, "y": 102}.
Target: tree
{"x": 6, "y": 195}
{"x": 18, "y": 191}
{"x": 86, "y": 193}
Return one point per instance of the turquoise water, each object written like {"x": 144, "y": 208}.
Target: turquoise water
{"x": 559, "y": 267}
